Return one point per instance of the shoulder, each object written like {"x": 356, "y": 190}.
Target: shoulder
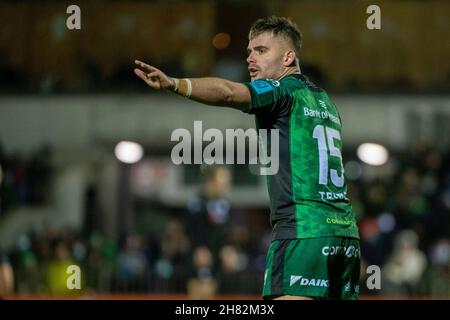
{"x": 268, "y": 94}
{"x": 262, "y": 86}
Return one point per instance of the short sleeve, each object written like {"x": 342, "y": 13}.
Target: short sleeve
{"x": 267, "y": 94}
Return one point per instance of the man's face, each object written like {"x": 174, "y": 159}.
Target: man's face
{"x": 266, "y": 54}
{"x": 219, "y": 185}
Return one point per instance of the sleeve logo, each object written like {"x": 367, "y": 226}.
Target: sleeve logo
{"x": 262, "y": 86}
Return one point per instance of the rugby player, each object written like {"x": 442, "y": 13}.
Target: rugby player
{"x": 315, "y": 252}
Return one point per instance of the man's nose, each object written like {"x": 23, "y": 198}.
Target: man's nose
{"x": 250, "y": 58}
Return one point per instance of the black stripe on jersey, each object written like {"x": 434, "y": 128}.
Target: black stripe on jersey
{"x": 276, "y": 286}
{"x": 309, "y": 84}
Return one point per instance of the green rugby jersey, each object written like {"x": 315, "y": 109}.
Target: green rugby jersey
{"x": 308, "y": 194}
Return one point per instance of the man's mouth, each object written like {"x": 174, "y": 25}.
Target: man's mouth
{"x": 252, "y": 71}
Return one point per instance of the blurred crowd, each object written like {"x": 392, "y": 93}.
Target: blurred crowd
{"x": 198, "y": 253}
{"x": 404, "y": 218}
{"x": 403, "y": 210}
{"x": 131, "y": 264}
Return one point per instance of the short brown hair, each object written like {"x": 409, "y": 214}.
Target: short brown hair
{"x": 278, "y": 26}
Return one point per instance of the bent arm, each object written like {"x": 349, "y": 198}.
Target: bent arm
{"x": 211, "y": 91}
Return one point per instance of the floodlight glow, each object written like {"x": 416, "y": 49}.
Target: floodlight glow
{"x": 128, "y": 151}
{"x": 373, "y": 154}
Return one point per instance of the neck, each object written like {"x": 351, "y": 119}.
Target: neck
{"x": 288, "y": 71}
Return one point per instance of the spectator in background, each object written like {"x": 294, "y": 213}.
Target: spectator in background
{"x": 405, "y": 267}
{"x": 208, "y": 213}
{"x": 132, "y": 265}
{"x": 6, "y": 276}
{"x": 202, "y": 284}
{"x": 171, "y": 269}
{"x": 101, "y": 259}
{"x": 207, "y": 221}
{"x": 438, "y": 273}
{"x": 29, "y": 269}
{"x": 232, "y": 276}
{"x": 56, "y": 270}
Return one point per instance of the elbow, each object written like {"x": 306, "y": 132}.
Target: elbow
{"x": 235, "y": 96}
{"x": 229, "y": 96}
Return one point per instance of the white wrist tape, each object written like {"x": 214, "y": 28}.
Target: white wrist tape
{"x": 189, "y": 88}
{"x": 177, "y": 84}
{"x": 183, "y": 87}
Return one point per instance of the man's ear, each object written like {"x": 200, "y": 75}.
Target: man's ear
{"x": 289, "y": 59}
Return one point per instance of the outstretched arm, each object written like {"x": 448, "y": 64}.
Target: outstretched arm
{"x": 211, "y": 91}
